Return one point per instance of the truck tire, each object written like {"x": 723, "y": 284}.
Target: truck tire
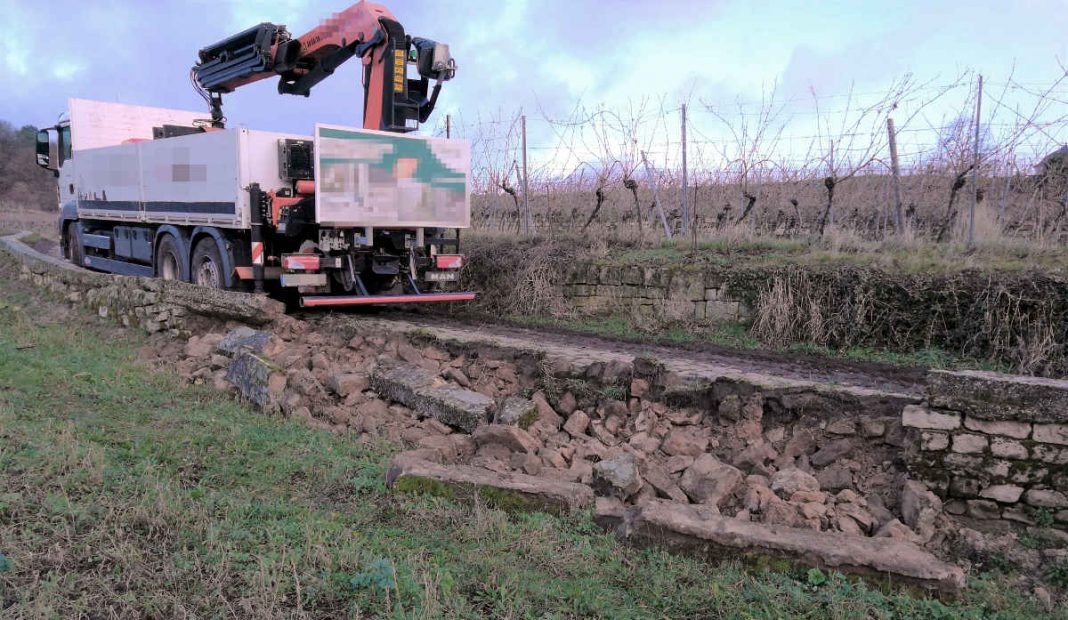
{"x": 168, "y": 259}
{"x": 207, "y": 267}
{"x": 74, "y": 250}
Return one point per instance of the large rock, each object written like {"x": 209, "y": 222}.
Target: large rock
{"x": 995, "y": 396}
{"x": 683, "y": 528}
{"x": 577, "y": 424}
{"x": 517, "y": 411}
{"x": 428, "y": 396}
{"x": 513, "y": 438}
{"x": 683, "y": 441}
{"x": 507, "y": 491}
{"x": 835, "y": 477}
{"x": 709, "y": 480}
{"x": 657, "y": 476}
{"x": 920, "y": 509}
{"x": 344, "y": 384}
{"x": 617, "y": 477}
{"x": 831, "y": 452}
{"x": 243, "y": 337}
{"x": 252, "y": 376}
{"x": 788, "y": 481}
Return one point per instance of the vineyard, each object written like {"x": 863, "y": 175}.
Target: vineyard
{"x": 972, "y": 164}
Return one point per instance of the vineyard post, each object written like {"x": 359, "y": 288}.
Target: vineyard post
{"x": 528, "y": 221}
{"x": 975, "y": 166}
{"x": 895, "y": 169}
{"x": 686, "y": 223}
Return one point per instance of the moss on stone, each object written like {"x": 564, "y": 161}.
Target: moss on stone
{"x": 527, "y": 418}
{"x": 424, "y": 486}
{"x": 503, "y": 499}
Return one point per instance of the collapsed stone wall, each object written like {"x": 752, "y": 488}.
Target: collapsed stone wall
{"x": 994, "y": 446}
{"x": 730, "y": 468}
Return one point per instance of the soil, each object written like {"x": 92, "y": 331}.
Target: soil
{"x": 882, "y": 377}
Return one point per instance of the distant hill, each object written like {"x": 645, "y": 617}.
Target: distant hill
{"x": 22, "y": 182}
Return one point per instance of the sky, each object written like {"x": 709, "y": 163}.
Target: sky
{"x": 540, "y": 56}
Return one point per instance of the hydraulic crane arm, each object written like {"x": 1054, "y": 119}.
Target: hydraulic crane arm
{"x": 392, "y": 101}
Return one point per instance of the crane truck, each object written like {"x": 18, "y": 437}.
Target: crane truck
{"x": 346, "y": 216}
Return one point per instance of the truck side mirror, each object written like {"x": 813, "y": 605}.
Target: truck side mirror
{"x": 44, "y": 150}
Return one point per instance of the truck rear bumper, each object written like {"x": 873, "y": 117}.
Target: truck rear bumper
{"x": 315, "y": 301}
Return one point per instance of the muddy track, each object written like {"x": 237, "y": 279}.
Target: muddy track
{"x": 700, "y": 358}
{"x": 690, "y": 356}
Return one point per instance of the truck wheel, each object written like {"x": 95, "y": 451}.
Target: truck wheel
{"x": 168, "y": 259}
{"x": 207, "y": 264}
{"x": 73, "y": 249}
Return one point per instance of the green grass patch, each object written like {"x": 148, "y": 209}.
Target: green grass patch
{"x": 124, "y": 493}
{"x": 892, "y": 256}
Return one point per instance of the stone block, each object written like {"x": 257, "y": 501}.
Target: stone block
{"x": 1008, "y": 428}
{"x": 723, "y": 311}
{"x": 1007, "y": 448}
{"x": 687, "y": 286}
{"x": 344, "y": 384}
{"x": 964, "y": 487}
{"x": 1046, "y": 498}
{"x": 632, "y": 275}
{"x": 251, "y": 375}
{"x": 698, "y": 529}
{"x": 699, "y": 310}
{"x": 1050, "y": 454}
{"x": 983, "y": 509}
{"x": 997, "y": 468}
{"x": 933, "y": 440}
{"x": 243, "y": 337}
{"x": 967, "y": 443}
{"x": 507, "y": 491}
{"x": 916, "y": 416}
{"x": 1004, "y": 493}
{"x": 429, "y": 396}
{"x": 518, "y": 411}
{"x": 1052, "y": 433}
{"x": 996, "y": 396}
{"x": 1028, "y": 473}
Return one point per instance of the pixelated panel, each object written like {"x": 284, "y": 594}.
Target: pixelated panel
{"x": 366, "y": 178}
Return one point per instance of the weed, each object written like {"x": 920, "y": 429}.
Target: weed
{"x": 1058, "y": 574}
{"x": 816, "y": 577}
{"x": 1043, "y": 517}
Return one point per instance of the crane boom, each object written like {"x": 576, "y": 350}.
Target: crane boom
{"x": 392, "y": 100}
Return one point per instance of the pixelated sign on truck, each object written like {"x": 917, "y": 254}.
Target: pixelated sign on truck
{"x": 373, "y": 178}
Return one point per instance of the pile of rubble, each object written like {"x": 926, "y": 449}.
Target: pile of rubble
{"x": 789, "y": 484}
{"x": 464, "y": 408}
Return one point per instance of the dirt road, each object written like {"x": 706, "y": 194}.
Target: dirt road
{"x": 694, "y": 362}
{"x": 762, "y": 368}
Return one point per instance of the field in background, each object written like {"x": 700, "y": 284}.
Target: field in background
{"x": 779, "y": 168}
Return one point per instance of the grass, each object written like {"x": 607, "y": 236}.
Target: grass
{"x": 893, "y": 256}
{"x": 124, "y": 493}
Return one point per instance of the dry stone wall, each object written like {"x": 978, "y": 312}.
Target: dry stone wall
{"x": 670, "y": 293}
{"x": 994, "y": 446}
{"x": 153, "y": 305}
